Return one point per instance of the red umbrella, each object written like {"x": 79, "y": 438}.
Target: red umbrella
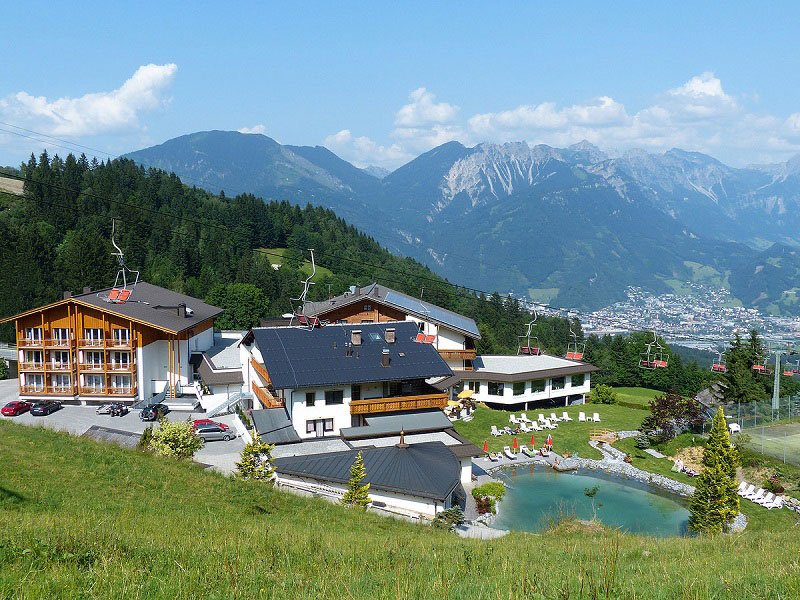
{"x": 549, "y": 440}
{"x": 485, "y": 446}
{"x": 533, "y": 441}
{"x": 516, "y": 444}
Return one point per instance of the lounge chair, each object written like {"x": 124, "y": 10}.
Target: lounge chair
{"x": 526, "y": 451}
{"x": 596, "y": 417}
{"x": 777, "y": 503}
{"x": 581, "y": 417}
{"x": 541, "y": 418}
{"x": 494, "y": 431}
{"x": 494, "y": 456}
{"x": 748, "y": 490}
{"x": 544, "y": 451}
{"x": 759, "y": 493}
{"x": 742, "y": 486}
{"x": 549, "y": 425}
{"x": 524, "y": 417}
{"x": 507, "y": 451}
{"x": 513, "y": 419}
{"x": 508, "y": 431}
{"x": 523, "y": 427}
{"x": 767, "y": 498}
{"x": 553, "y": 417}
{"x": 565, "y": 416}
{"x": 467, "y": 418}
{"x": 535, "y": 426}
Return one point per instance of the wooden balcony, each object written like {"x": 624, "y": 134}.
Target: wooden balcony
{"x": 50, "y": 390}
{"x": 120, "y": 344}
{"x": 262, "y": 372}
{"x": 93, "y": 391}
{"x": 266, "y": 398}
{"x": 90, "y": 343}
{"x": 458, "y": 354}
{"x": 95, "y": 366}
{"x": 59, "y": 366}
{"x": 121, "y": 391}
{"x": 30, "y": 343}
{"x": 31, "y": 366}
{"x": 58, "y": 343}
{"x": 396, "y": 403}
{"x": 123, "y": 367}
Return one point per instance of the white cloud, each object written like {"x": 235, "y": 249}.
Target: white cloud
{"x": 363, "y": 152}
{"x": 423, "y": 110}
{"x": 93, "y": 113}
{"x": 260, "y": 128}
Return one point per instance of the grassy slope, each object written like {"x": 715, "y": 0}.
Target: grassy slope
{"x": 636, "y": 395}
{"x": 306, "y": 268}
{"x": 84, "y": 520}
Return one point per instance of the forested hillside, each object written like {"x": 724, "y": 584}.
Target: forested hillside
{"x": 57, "y": 237}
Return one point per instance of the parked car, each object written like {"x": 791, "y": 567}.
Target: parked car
{"x": 118, "y": 409}
{"x": 104, "y": 409}
{"x": 198, "y": 422}
{"x": 45, "y": 407}
{"x": 213, "y": 432}
{"x": 16, "y": 407}
{"x": 153, "y": 412}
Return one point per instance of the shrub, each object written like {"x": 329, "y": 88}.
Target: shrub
{"x": 485, "y": 505}
{"x": 603, "y": 394}
{"x": 243, "y": 416}
{"x": 256, "y": 461}
{"x": 3, "y": 369}
{"x": 774, "y": 485}
{"x": 144, "y": 440}
{"x": 493, "y": 489}
{"x": 357, "y": 494}
{"x": 642, "y": 441}
{"x": 175, "y": 439}
{"x": 448, "y": 519}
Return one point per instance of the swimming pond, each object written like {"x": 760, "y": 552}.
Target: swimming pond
{"x": 537, "y": 497}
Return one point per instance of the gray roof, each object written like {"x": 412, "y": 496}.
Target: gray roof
{"x": 427, "y": 470}
{"x": 413, "y": 306}
{"x": 391, "y": 424}
{"x": 524, "y": 367}
{"x": 224, "y": 354}
{"x": 155, "y": 306}
{"x": 297, "y": 357}
{"x": 115, "y": 436}
{"x": 213, "y": 376}
{"x": 274, "y": 426}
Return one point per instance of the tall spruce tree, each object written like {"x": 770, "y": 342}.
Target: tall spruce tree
{"x": 357, "y": 494}
{"x": 256, "y": 461}
{"x": 714, "y": 504}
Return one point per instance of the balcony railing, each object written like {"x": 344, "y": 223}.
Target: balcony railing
{"x": 266, "y": 398}
{"x": 93, "y": 366}
{"x": 121, "y": 366}
{"x": 395, "y": 403}
{"x": 458, "y": 354}
{"x": 259, "y": 368}
{"x": 31, "y": 366}
{"x": 121, "y": 391}
{"x": 30, "y": 343}
{"x": 85, "y": 343}
{"x": 59, "y": 366}
{"x": 59, "y": 390}
{"x": 32, "y": 389}
{"x": 58, "y": 342}
{"x": 93, "y": 391}
{"x": 116, "y": 343}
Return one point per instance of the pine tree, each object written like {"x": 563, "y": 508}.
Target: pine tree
{"x": 357, "y": 495}
{"x": 256, "y": 461}
{"x": 715, "y": 503}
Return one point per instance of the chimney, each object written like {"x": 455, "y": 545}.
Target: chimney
{"x": 389, "y": 336}
{"x": 87, "y": 290}
{"x": 182, "y": 311}
{"x": 385, "y": 359}
{"x": 402, "y": 443}
{"x": 67, "y": 294}
{"x": 355, "y": 337}
{"x": 353, "y": 290}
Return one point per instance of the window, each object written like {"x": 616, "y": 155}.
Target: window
{"x": 578, "y": 380}
{"x": 557, "y": 383}
{"x": 421, "y": 325}
{"x": 93, "y": 337}
{"x": 369, "y": 321}
{"x": 94, "y": 382}
{"x": 60, "y": 359}
{"x": 61, "y": 383}
{"x": 94, "y": 359}
{"x": 495, "y": 388}
{"x": 311, "y": 397}
{"x": 120, "y": 336}
{"x": 537, "y": 386}
{"x": 519, "y": 388}
{"x": 60, "y": 334}
{"x": 121, "y": 382}
{"x": 120, "y": 360}
{"x": 392, "y": 388}
{"x": 367, "y": 307}
{"x": 355, "y": 393}
{"x": 475, "y": 386}
{"x": 33, "y": 357}
{"x": 310, "y": 426}
{"x": 33, "y": 333}
{"x": 35, "y": 381}
{"x": 334, "y": 397}
{"x": 328, "y": 424}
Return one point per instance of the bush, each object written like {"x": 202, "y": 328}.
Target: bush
{"x": 642, "y": 441}
{"x": 243, "y": 416}
{"x": 774, "y": 485}
{"x": 485, "y": 505}
{"x": 144, "y": 440}
{"x": 175, "y": 439}
{"x": 603, "y": 394}
{"x": 448, "y": 519}
{"x": 3, "y": 369}
{"x": 256, "y": 461}
{"x": 493, "y": 489}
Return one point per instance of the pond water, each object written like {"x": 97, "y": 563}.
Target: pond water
{"x": 536, "y": 497}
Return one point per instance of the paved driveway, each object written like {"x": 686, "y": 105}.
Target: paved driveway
{"x": 76, "y": 420}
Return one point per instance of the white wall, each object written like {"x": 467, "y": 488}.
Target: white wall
{"x": 300, "y": 413}
{"x": 202, "y": 341}
{"x": 466, "y": 470}
{"x": 153, "y": 365}
{"x": 508, "y": 397}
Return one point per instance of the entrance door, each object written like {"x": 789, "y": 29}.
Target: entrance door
{"x": 319, "y": 428}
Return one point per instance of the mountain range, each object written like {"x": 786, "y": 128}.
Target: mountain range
{"x": 571, "y": 226}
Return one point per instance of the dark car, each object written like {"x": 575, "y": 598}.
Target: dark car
{"x": 153, "y": 412}
{"x": 213, "y": 432}
{"x": 45, "y": 407}
{"x": 16, "y": 407}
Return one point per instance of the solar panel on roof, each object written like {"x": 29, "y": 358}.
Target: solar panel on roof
{"x": 433, "y": 312}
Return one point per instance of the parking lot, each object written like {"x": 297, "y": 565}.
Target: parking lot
{"x": 77, "y": 420}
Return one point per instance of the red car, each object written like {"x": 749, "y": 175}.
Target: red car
{"x": 198, "y": 422}
{"x": 16, "y": 407}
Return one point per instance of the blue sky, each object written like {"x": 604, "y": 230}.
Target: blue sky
{"x": 379, "y": 83}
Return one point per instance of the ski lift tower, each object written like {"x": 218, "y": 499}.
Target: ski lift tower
{"x": 776, "y": 387}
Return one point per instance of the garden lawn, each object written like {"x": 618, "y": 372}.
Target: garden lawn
{"x": 636, "y": 395}
{"x": 571, "y": 436}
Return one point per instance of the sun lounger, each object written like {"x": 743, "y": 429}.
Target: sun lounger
{"x": 507, "y": 430}
{"x": 581, "y": 417}
{"x": 748, "y": 490}
{"x": 565, "y": 416}
{"x": 767, "y": 498}
{"x": 523, "y": 427}
{"x": 535, "y": 426}
{"x": 524, "y": 417}
{"x": 494, "y": 431}
{"x": 513, "y": 419}
{"x": 553, "y": 417}
{"x": 541, "y": 418}
{"x": 467, "y": 418}
{"x": 494, "y": 456}
{"x": 742, "y": 486}
{"x": 777, "y": 503}
{"x": 759, "y": 493}
{"x": 596, "y": 417}
{"x": 526, "y": 451}
{"x": 507, "y": 451}
{"x": 544, "y": 451}
{"x": 549, "y": 425}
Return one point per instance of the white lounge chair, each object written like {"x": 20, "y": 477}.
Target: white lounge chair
{"x": 553, "y": 417}
{"x": 524, "y": 417}
{"x": 494, "y": 457}
{"x": 523, "y": 427}
{"x": 541, "y": 418}
{"x": 581, "y": 417}
{"x": 513, "y": 419}
{"x": 759, "y": 493}
{"x": 747, "y": 490}
{"x": 507, "y": 451}
{"x": 535, "y": 426}
{"x": 494, "y": 431}
{"x": 526, "y": 451}
{"x": 768, "y": 498}
{"x": 596, "y": 417}
{"x": 549, "y": 425}
{"x": 565, "y": 416}
{"x": 742, "y": 486}
{"x": 777, "y": 503}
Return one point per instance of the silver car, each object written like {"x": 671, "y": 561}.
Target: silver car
{"x": 213, "y": 432}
